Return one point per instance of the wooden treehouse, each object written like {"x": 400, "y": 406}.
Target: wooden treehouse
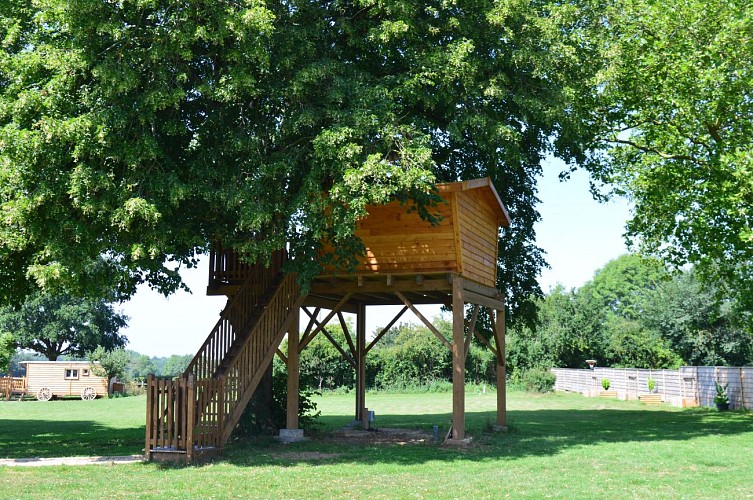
{"x": 407, "y": 262}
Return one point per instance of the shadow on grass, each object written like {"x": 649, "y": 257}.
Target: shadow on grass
{"x": 531, "y": 433}
{"x": 55, "y": 438}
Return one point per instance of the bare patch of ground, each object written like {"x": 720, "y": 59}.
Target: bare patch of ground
{"x": 382, "y": 436}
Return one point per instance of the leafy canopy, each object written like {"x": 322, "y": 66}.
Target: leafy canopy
{"x": 675, "y": 97}
{"x": 134, "y": 133}
{"x": 55, "y": 325}
{"x": 110, "y": 363}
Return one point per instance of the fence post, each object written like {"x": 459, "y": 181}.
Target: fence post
{"x": 190, "y": 405}
{"x": 742, "y": 388}
{"x": 220, "y": 412}
{"x": 149, "y": 416}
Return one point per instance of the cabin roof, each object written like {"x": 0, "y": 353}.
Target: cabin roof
{"x": 486, "y": 191}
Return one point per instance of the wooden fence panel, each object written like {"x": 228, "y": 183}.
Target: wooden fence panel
{"x": 696, "y": 383}
{"x": 167, "y": 423}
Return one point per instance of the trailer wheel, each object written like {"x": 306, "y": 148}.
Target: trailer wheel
{"x": 44, "y": 394}
{"x": 88, "y": 393}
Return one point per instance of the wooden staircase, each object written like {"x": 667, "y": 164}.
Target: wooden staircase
{"x": 195, "y": 414}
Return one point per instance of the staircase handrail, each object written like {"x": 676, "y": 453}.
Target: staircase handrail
{"x": 214, "y": 349}
{"x": 240, "y": 380}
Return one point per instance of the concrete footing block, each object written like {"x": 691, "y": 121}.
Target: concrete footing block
{"x": 459, "y": 442}
{"x": 291, "y": 436}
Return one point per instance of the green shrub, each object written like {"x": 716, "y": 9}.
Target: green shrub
{"x": 258, "y": 419}
{"x": 537, "y": 380}
{"x": 605, "y": 383}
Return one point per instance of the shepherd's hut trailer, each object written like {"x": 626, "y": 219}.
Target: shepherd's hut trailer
{"x": 46, "y": 379}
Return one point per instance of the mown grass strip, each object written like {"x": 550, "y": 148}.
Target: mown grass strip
{"x": 558, "y": 445}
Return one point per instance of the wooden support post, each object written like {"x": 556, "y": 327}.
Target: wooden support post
{"x": 291, "y": 421}
{"x": 458, "y": 360}
{"x": 360, "y": 362}
{"x": 499, "y": 335}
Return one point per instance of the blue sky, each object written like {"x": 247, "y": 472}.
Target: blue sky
{"x": 578, "y": 234}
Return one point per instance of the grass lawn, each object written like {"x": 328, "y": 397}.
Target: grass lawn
{"x": 558, "y": 445}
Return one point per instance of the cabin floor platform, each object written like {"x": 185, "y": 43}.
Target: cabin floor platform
{"x": 385, "y": 289}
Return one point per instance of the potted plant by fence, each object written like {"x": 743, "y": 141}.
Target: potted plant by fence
{"x": 721, "y": 399}
{"x": 651, "y": 383}
{"x": 605, "y": 383}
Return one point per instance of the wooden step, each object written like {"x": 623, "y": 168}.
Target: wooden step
{"x": 172, "y": 455}
{"x": 650, "y": 399}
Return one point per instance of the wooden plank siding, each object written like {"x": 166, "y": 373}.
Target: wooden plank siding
{"x": 401, "y": 242}
{"x": 479, "y": 232}
{"x": 464, "y": 241}
{"x": 51, "y": 374}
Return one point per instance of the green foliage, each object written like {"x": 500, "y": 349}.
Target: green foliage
{"x": 721, "y": 397}
{"x": 676, "y": 100}
{"x": 15, "y": 369}
{"x": 651, "y": 383}
{"x": 703, "y": 327}
{"x": 605, "y": 384}
{"x": 629, "y": 343}
{"x": 7, "y": 349}
{"x": 176, "y": 364}
{"x": 407, "y": 358}
{"x": 139, "y": 366}
{"x": 134, "y": 133}
{"x": 414, "y": 356}
{"x": 536, "y": 380}
{"x": 259, "y": 419}
{"x": 321, "y": 364}
{"x": 55, "y": 325}
{"x": 109, "y": 363}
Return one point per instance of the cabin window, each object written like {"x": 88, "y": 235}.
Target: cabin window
{"x": 71, "y": 373}
{"x": 85, "y": 372}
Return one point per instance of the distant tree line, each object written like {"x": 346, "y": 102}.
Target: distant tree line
{"x": 137, "y": 367}
{"x": 636, "y": 313}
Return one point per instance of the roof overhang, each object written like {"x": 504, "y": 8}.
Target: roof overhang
{"x": 487, "y": 191}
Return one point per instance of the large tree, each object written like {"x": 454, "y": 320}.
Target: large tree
{"x": 56, "y": 325}
{"x": 676, "y": 107}
{"x": 134, "y": 133}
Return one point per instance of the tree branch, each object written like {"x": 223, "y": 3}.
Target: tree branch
{"x": 647, "y": 149}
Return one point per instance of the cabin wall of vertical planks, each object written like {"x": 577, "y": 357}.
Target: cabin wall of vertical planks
{"x": 464, "y": 240}
{"x": 479, "y": 232}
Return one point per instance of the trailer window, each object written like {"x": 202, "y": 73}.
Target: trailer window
{"x": 85, "y": 372}
{"x": 71, "y": 374}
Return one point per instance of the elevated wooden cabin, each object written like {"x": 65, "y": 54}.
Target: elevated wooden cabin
{"x": 464, "y": 241}
{"x": 408, "y": 261}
